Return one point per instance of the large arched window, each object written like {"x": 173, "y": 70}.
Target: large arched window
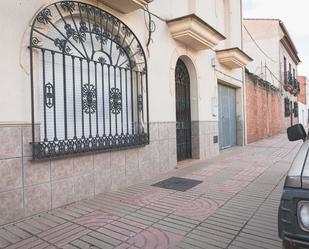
{"x": 91, "y": 75}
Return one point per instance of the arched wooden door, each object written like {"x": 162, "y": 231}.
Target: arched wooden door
{"x": 183, "y": 112}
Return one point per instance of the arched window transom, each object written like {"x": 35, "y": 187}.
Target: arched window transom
{"x": 91, "y": 74}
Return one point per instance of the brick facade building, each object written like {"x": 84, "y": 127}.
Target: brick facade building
{"x": 302, "y": 93}
{"x": 303, "y": 105}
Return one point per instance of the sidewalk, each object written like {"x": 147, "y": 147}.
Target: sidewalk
{"x": 235, "y": 206}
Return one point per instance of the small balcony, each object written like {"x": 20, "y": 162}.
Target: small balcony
{"x": 296, "y": 87}
{"x": 193, "y": 32}
{"x": 288, "y": 81}
{"x": 126, "y": 6}
{"x": 233, "y": 58}
{"x": 291, "y": 84}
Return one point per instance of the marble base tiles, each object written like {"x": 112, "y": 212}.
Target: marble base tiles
{"x": 63, "y": 192}
{"x": 37, "y": 172}
{"x": 37, "y": 199}
{"x": 62, "y": 168}
{"x": 203, "y": 146}
{"x": 11, "y": 208}
{"x": 11, "y": 174}
{"x": 11, "y": 147}
{"x": 42, "y": 185}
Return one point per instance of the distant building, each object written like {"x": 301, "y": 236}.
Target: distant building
{"x": 303, "y": 100}
{"x": 271, "y": 95}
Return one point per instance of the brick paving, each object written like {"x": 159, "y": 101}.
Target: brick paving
{"x": 234, "y": 207}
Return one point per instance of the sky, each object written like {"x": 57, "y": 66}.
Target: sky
{"x": 294, "y": 14}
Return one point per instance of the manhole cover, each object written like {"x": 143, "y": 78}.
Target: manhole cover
{"x": 177, "y": 183}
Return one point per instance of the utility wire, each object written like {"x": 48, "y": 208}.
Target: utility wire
{"x": 258, "y": 46}
{"x": 153, "y": 14}
{"x": 273, "y": 75}
{"x": 234, "y": 78}
{"x": 150, "y": 25}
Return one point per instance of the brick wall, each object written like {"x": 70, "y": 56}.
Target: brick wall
{"x": 264, "y": 110}
{"x": 302, "y": 94}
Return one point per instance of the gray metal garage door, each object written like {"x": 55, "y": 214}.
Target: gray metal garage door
{"x": 227, "y": 116}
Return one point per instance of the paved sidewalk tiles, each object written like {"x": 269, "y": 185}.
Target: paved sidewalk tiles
{"x": 234, "y": 207}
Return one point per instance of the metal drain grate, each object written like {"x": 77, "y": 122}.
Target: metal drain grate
{"x": 177, "y": 183}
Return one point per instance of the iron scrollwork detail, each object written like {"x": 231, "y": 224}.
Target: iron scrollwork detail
{"x": 49, "y": 94}
{"x": 181, "y": 73}
{"x": 115, "y": 100}
{"x": 68, "y": 6}
{"x": 89, "y": 95}
{"x": 102, "y": 60}
{"x": 90, "y": 65}
{"x": 78, "y": 36}
{"x": 62, "y": 46}
{"x": 86, "y": 22}
{"x": 35, "y": 41}
{"x": 44, "y": 16}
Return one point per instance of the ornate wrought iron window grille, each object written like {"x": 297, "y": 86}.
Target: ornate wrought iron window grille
{"x": 295, "y": 109}
{"x": 90, "y": 73}
{"x": 287, "y": 111}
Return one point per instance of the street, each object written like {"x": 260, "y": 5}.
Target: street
{"x": 235, "y": 206}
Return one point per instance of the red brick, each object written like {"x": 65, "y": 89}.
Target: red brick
{"x": 264, "y": 112}
{"x": 302, "y": 94}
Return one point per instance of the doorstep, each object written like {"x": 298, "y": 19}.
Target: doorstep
{"x": 186, "y": 163}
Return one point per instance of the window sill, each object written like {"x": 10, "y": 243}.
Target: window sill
{"x": 65, "y": 148}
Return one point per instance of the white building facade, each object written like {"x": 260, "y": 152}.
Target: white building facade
{"x": 99, "y": 95}
{"x": 275, "y": 56}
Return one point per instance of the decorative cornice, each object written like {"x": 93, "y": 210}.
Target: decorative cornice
{"x": 233, "y": 57}
{"x": 287, "y": 45}
{"x": 194, "y": 32}
{"x": 126, "y": 6}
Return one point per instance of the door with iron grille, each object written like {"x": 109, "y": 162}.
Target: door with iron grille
{"x": 183, "y": 112}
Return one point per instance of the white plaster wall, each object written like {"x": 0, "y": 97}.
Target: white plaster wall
{"x": 267, "y": 34}
{"x": 283, "y": 53}
{"x": 162, "y": 55}
{"x": 233, "y": 23}
{"x": 302, "y": 114}
{"x": 211, "y": 12}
